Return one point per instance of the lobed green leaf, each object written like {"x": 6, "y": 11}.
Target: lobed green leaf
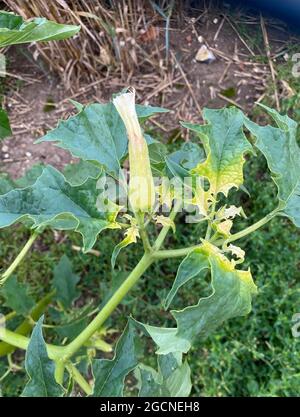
{"x": 231, "y": 296}
{"x": 52, "y": 201}
{"x": 110, "y": 374}
{"x": 96, "y": 133}
{"x": 65, "y": 282}
{"x": 280, "y": 148}
{"x": 40, "y": 368}
{"x": 17, "y": 296}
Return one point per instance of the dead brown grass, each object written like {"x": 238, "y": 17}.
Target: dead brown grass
{"x": 119, "y": 36}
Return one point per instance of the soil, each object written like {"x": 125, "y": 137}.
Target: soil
{"x": 235, "y": 76}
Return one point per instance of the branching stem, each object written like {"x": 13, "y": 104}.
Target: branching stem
{"x": 251, "y": 228}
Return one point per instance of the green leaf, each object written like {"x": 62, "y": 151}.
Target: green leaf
{"x": 5, "y": 129}
{"x": 157, "y": 152}
{"x": 225, "y": 145}
{"x": 29, "y": 178}
{"x": 9, "y": 20}
{"x": 190, "y": 267}
{"x": 65, "y": 282}
{"x": 173, "y": 378}
{"x": 77, "y": 174}
{"x": 71, "y": 330}
{"x": 6, "y": 183}
{"x": 144, "y": 112}
{"x": 110, "y": 374}
{"x": 97, "y": 134}
{"x": 40, "y": 368}
{"x": 17, "y": 296}
{"x": 280, "y": 148}
{"x": 52, "y": 201}
{"x": 186, "y": 158}
{"x": 231, "y": 296}
{"x": 13, "y": 30}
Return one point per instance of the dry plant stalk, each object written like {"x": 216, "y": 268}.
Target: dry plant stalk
{"x": 115, "y": 34}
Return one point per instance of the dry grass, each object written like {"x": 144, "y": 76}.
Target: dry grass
{"x": 119, "y": 36}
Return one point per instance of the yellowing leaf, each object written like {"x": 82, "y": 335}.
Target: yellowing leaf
{"x": 165, "y": 221}
{"x": 225, "y": 145}
{"x": 131, "y": 235}
{"x": 165, "y": 193}
{"x": 232, "y": 291}
{"x": 224, "y": 227}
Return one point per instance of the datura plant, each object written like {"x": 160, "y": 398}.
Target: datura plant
{"x": 126, "y": 181}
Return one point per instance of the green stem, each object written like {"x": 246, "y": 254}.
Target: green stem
{"x": 19, "y": 258}
{"x": 21, "y": 342}
{"x": 164, "y": 231}
{"x": 9, "y": 316}
{"x": 109, "y": 307}
{"x": 25, "y": 327}
{"x": 252, "y": 228}
{"x": 59, "y": 353}
{"x": 143, "y": 232}
{"x": 84, "y": 385}
{"x": 59, "y": 371}
{"x": 174, "y": 253}
{"x": 210, "y": 221}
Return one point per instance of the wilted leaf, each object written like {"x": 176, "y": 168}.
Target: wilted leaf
{"x": 65, "y": 282}
{"x": 40, "y": 368}
{"x": 13, "y": 30}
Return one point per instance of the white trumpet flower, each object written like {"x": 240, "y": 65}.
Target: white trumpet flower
{"x": 141, "y": 184}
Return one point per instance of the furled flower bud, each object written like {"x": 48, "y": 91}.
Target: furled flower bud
{"x": 141, "y": 185}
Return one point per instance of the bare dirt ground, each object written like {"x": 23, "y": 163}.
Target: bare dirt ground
{"x": 240, "y": 75}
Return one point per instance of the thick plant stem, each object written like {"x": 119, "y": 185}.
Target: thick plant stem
{"x": 4, "y": 277}
{"x": 59, "y": 372}
{"x": 109, "y": 307}
{"x": 252, "y": 228}
{"x": 25, "y": 327}
{"x": 22, "y": 342}
{"x": 84, "y": 385}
